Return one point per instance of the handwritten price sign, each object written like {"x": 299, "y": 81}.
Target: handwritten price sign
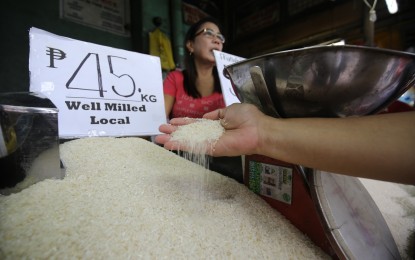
{"x": 224, "y": 59}
{"x": 99, "y": 90}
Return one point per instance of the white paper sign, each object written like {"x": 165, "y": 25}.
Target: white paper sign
{"x": 108, "y": 15}
{"x": 99, "y": 90}
{"x": 224, "y": 59}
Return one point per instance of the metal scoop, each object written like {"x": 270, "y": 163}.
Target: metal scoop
{"x": 29, "y": 141}
{"x": 325, "y": 81}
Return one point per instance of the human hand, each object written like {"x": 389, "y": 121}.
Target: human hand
{"x": 242, "y": 123}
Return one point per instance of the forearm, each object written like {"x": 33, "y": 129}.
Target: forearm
{"x": 378, "y": 147}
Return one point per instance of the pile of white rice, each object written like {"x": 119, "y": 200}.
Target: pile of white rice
{"x": 129, "y": 198}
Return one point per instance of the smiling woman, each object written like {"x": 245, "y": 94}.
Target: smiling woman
{"x": 196, "y": 90}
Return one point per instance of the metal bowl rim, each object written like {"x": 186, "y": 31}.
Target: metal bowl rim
{"x": 323, "y": 49}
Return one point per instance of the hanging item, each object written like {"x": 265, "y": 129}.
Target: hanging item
{"x": 370, "y": 23}
{"x": 160, "y": 46}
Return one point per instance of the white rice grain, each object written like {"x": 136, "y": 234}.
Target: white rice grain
{"x": 127, "y": 198}
{"x": 198, "y": 137}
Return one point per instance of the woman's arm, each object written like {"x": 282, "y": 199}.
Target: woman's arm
{"x": 379, "y": 147}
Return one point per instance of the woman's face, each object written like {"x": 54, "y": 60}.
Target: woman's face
{"x": 205, "y": 42}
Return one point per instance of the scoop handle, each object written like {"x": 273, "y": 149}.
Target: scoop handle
{"x": 262, "y": 91}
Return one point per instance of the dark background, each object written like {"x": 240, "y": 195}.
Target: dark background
{"x": 252, "y": 27}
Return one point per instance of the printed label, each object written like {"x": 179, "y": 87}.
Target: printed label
{"x": 271, "y": 181}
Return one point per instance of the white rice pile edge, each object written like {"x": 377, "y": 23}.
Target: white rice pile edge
{"x": 126, "y": 198}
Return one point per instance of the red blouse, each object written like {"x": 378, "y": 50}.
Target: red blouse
{"x": 187, "y": 106}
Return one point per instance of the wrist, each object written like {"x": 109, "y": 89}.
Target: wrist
{"x": 269, "y": 133}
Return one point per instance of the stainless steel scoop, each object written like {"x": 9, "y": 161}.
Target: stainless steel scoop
{"x": 324, "y": 81}
{"x": 29, "y": 141}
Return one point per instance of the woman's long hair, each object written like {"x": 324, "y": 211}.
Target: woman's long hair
{"x": 190, "y": 72}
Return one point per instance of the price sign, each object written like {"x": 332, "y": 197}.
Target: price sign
{"x": 99, "y": 90}
{"x": 224, "y": 59}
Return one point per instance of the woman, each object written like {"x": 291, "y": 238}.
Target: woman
{"x": 196, "y": 90}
